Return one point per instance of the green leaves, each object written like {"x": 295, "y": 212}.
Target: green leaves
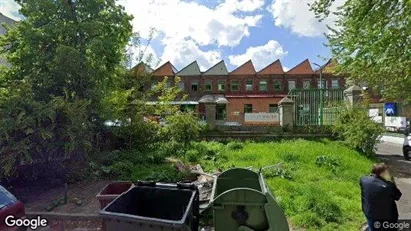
{"x": 372, "y": 43}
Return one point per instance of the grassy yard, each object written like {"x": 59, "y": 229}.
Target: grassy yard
{"x": 317, "y": 185}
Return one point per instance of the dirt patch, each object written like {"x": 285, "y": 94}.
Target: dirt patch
{"x": 37, "y": 198}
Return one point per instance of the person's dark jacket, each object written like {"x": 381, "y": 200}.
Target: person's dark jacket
{"x": 378, "y": 198}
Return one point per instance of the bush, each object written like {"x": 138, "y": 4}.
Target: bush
{"x": 122, "y": 169}
{"x": 182, "y": 128}
{"x": 192, "y": 156}
{"x": 235, "y": 145}
{"x": 357, "y": 130}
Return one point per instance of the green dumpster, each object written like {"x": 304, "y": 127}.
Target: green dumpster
{"x": 241, "y": 201}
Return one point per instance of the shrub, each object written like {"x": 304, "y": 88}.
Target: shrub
{"x": 235, "y": 145}
{"x": 182, "y": 128}
{"x": 192, "y": 156}
{"x": 122, "y": 169}
{"x": 357, "y": 130}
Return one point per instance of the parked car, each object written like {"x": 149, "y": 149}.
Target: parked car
{"x": 9, "y": 205}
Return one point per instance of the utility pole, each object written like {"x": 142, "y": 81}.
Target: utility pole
{"x": 321, "y": 92}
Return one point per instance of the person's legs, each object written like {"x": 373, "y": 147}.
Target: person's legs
{"x": 370, "y": 225}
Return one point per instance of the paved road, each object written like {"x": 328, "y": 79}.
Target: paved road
{"x": 391, "y": 154}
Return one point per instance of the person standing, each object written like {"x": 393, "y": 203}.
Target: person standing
{"x": 378, "y": 196}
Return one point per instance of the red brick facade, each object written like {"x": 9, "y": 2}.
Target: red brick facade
{"x": 268, "y": 86}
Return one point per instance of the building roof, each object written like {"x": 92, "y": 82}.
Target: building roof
{"x": 245, "y": 69}
{"x": 273, "y": 68}
{"x": 167, "y": 69}
{"x": 302, "y": 68}
{"x": 6, "y": 20}
{"x": 141, "y": 68}
{"x": 328, "y": 67}
{"x": 218, "y": 69}
{"x": 190, "y": 69}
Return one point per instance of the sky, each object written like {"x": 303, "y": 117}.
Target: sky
{"x": 233, "y": 30}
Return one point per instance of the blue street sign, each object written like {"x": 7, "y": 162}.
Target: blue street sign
{"x": 390, "y": 109}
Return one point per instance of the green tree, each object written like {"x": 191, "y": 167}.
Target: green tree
{"x": 356, "y": 129}
{"x": 371, "y": 41}
{"x": 64, "y": 56}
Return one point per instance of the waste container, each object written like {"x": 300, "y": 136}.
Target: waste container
{"x": 112, "y": 191}
{"x": 241, "y": 201}
{"x": 151, "y": 206}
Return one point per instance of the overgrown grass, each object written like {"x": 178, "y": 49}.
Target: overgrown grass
{"x": 317, "y": 184}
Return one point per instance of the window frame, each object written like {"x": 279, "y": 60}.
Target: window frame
{"x": 206, "y": 84}
{"x": 218, "y": 85}
{"x": 266, "y": 85}
{"x": 281, "y": 85}
{"x": 232, "y": 84}
{"x": 338, "y": 84}
{"x": 270, "y": 106}
{"x": 252, "y": 85}
{"x": 251, "y": 107}
{"x": 192, "y": 84}
{"x": 288, "y": 84}
{"x": 305, "y": 81}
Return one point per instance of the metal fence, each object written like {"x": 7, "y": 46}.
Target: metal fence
{"x": 316, "y": 106}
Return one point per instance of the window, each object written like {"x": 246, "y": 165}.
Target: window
{"x": 234, "y": 86}
{"x": 277, "y": 86}
{"x": 273, "y": 108}
{"x": 263, "y": 85}
{"x": 306, "y": 84}
{"x": 194, "y": 86}
{"x": 248, "y": 108}
{"x": 249, "y": 85}
{"x": 324, "y": 85}
{"x": 221, "y": 85}
{"x": 291, "y": 84}
{"x": 335, "y": 84}
{"x": 208, "y": 87}
{"x": 181, "y": 85}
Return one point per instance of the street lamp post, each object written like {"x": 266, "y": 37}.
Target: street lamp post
{"x": 321, "y": 92}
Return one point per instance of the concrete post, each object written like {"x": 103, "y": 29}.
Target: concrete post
{"x": 286, "y": 106}
{"x": 352, "y": 95}
{"x": 211, "y": 114}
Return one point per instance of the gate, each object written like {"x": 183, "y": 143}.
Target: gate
{"x": 316, "y": 106}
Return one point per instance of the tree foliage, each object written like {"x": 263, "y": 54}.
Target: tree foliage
{"x": 357, "y": 130}
{"x": 63, "y": 58}
{"x": 371, "y": 41}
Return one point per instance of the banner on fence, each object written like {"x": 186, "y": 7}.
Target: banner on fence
{"x": 395, "y": 121}
{"x": 262, "y": 118}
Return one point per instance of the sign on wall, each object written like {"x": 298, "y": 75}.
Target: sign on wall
{"x": 390, "y": 109}
{"x": 374, "y": 115}
{"x": 395, "y": 121}
{"x": 262, "y": 118}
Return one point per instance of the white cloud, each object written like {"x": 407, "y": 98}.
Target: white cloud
{"x": 225, "y": 25}
{"x": 181, "y": 53}
{"x": 260, "y": 55}
{"x": 144, "y": 54}
{"x": 296, "y": 16}
{"x": 286, "y": 68}
{"x": 10, "y": 9}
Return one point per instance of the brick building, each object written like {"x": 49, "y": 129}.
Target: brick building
{"x": 243, "y": 90}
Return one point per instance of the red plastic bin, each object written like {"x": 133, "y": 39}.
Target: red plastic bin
{"x": 112, "y": 191}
